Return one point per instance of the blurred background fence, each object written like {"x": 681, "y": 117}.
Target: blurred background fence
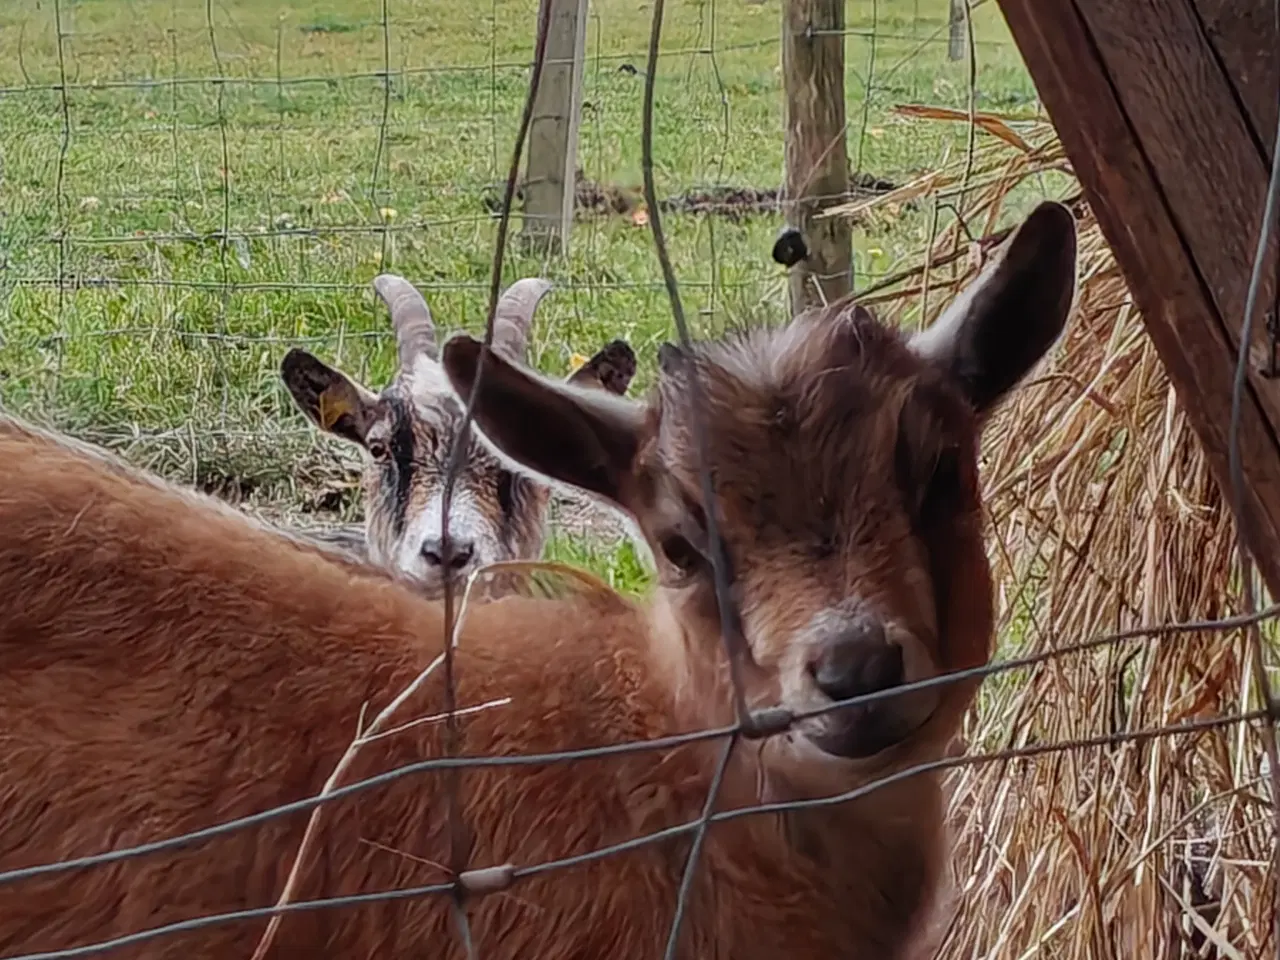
{"x": 190, "y": 187}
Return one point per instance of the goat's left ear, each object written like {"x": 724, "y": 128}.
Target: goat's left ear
{"x": 1004, "y": 322}
{"x": 330, "y": 399}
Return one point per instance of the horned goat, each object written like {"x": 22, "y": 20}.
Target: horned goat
{"x": 406, "y": 434}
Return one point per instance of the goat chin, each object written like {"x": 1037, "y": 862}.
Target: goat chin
{"x": 165, "y": 666}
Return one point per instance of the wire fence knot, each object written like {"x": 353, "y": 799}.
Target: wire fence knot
{"x": 484, "y": 880}
{"x": 768, "y": 722}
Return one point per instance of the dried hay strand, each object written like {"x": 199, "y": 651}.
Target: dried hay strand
{"x": 1102, "y": 515}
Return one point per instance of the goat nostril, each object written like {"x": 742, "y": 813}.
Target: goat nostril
{"x": 462, "y": 553}
{"x": 849, "y": 667}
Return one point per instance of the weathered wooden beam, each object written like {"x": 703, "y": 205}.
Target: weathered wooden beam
{"x": 550, "y": 181}
{"x": 817, "y": 161}
{"x": 1173, "y": 172}
{"x": 1244, "y": 37}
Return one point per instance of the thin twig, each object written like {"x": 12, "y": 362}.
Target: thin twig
{"x": 364, "y": 735}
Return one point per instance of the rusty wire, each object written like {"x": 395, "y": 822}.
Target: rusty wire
{"x": 730, "y": 617}
{"x": 514, "y": 873}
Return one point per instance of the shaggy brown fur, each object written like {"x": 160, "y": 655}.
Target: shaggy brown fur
{"x": 165, "y": 665}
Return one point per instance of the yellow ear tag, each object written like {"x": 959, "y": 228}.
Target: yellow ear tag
{"x": 333, "y": 403}
{"x": 576, "y": 361}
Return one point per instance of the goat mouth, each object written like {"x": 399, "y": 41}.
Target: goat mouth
{"x": 862, "y": 732}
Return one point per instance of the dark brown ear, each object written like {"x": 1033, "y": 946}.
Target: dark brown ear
{"x": 612, "y": 368}
{"x": 583, "y": 437}
{"x": 1004, "y": 322}
{"x": 331, "y": 400}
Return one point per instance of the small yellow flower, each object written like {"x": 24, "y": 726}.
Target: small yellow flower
{"x": 875, "y": 252}
{"x": 576, "y": 360}
{"x": 388, "y": 213}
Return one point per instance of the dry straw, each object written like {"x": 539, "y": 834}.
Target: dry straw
{"x": 1102, "y": 515}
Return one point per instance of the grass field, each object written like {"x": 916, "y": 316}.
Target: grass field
{"x": 167, "y": 346}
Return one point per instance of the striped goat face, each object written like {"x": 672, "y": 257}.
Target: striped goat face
{"x": 409, "y": 430}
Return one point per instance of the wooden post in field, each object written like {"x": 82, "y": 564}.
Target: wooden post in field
{"x": 817, "y": 162}
{"x": 957, "y": 39}
{"x": 551, "y": 170}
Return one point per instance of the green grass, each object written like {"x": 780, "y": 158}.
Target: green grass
{"x": 172, "y": 365}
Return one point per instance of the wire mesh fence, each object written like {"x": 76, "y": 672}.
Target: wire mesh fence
{"x": 193, "y": 188}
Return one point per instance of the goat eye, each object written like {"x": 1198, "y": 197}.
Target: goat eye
{"x": 377, "y": 450}
{"x": 942, "y": 492}
{"x": 506, "y": 492}
{"x": 680, "y": 553}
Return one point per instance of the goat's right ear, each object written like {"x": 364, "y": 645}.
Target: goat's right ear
{"x": 585, "y": 437}
{"x": 1000, "y": 327}
{"x": 612, "y": 368}
{"x": 331, "y": 400}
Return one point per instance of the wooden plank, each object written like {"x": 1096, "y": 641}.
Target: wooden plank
{"x": 1185, "y": 114}
{"x": 1243, "y": 35}
{"x": 817, "y": 160}
{"x": 1182, "y": 306}
{"x": 551, "y": 170}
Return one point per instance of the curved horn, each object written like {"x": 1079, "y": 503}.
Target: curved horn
{"x": 514, "y": 315}
{"x": 410, "y": 318}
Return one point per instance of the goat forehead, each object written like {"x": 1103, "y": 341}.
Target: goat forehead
{"x": 431, "y": 421}
{"x": 802, "y": 428}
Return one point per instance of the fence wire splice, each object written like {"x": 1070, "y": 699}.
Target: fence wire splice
{"x": 691, "y": 827}
{"x": 620, "y": 749}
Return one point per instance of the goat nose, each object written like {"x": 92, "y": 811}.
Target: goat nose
{"x": 857, "y": 661}
{"x": 462, "y": 551}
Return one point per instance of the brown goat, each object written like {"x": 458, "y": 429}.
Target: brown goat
{"x": 165, "y": 665}
{"x": 406, "y": 435}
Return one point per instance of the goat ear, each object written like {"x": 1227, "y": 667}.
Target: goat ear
{"x": 583, "y": 437}
{"x": 331, "y": 400}
{"x": 1004, "y": 322}
{"x": 612, "y": 368}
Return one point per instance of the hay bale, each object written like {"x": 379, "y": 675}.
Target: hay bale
{"x": 1103, "y": 515}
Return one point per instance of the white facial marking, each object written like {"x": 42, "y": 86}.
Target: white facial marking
{"x": 468, "y": 528}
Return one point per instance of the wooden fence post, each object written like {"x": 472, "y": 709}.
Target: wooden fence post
{"x": 958, "y": 35}
{"x": 550, "y": 180}
{"x": 817, "y": 161}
